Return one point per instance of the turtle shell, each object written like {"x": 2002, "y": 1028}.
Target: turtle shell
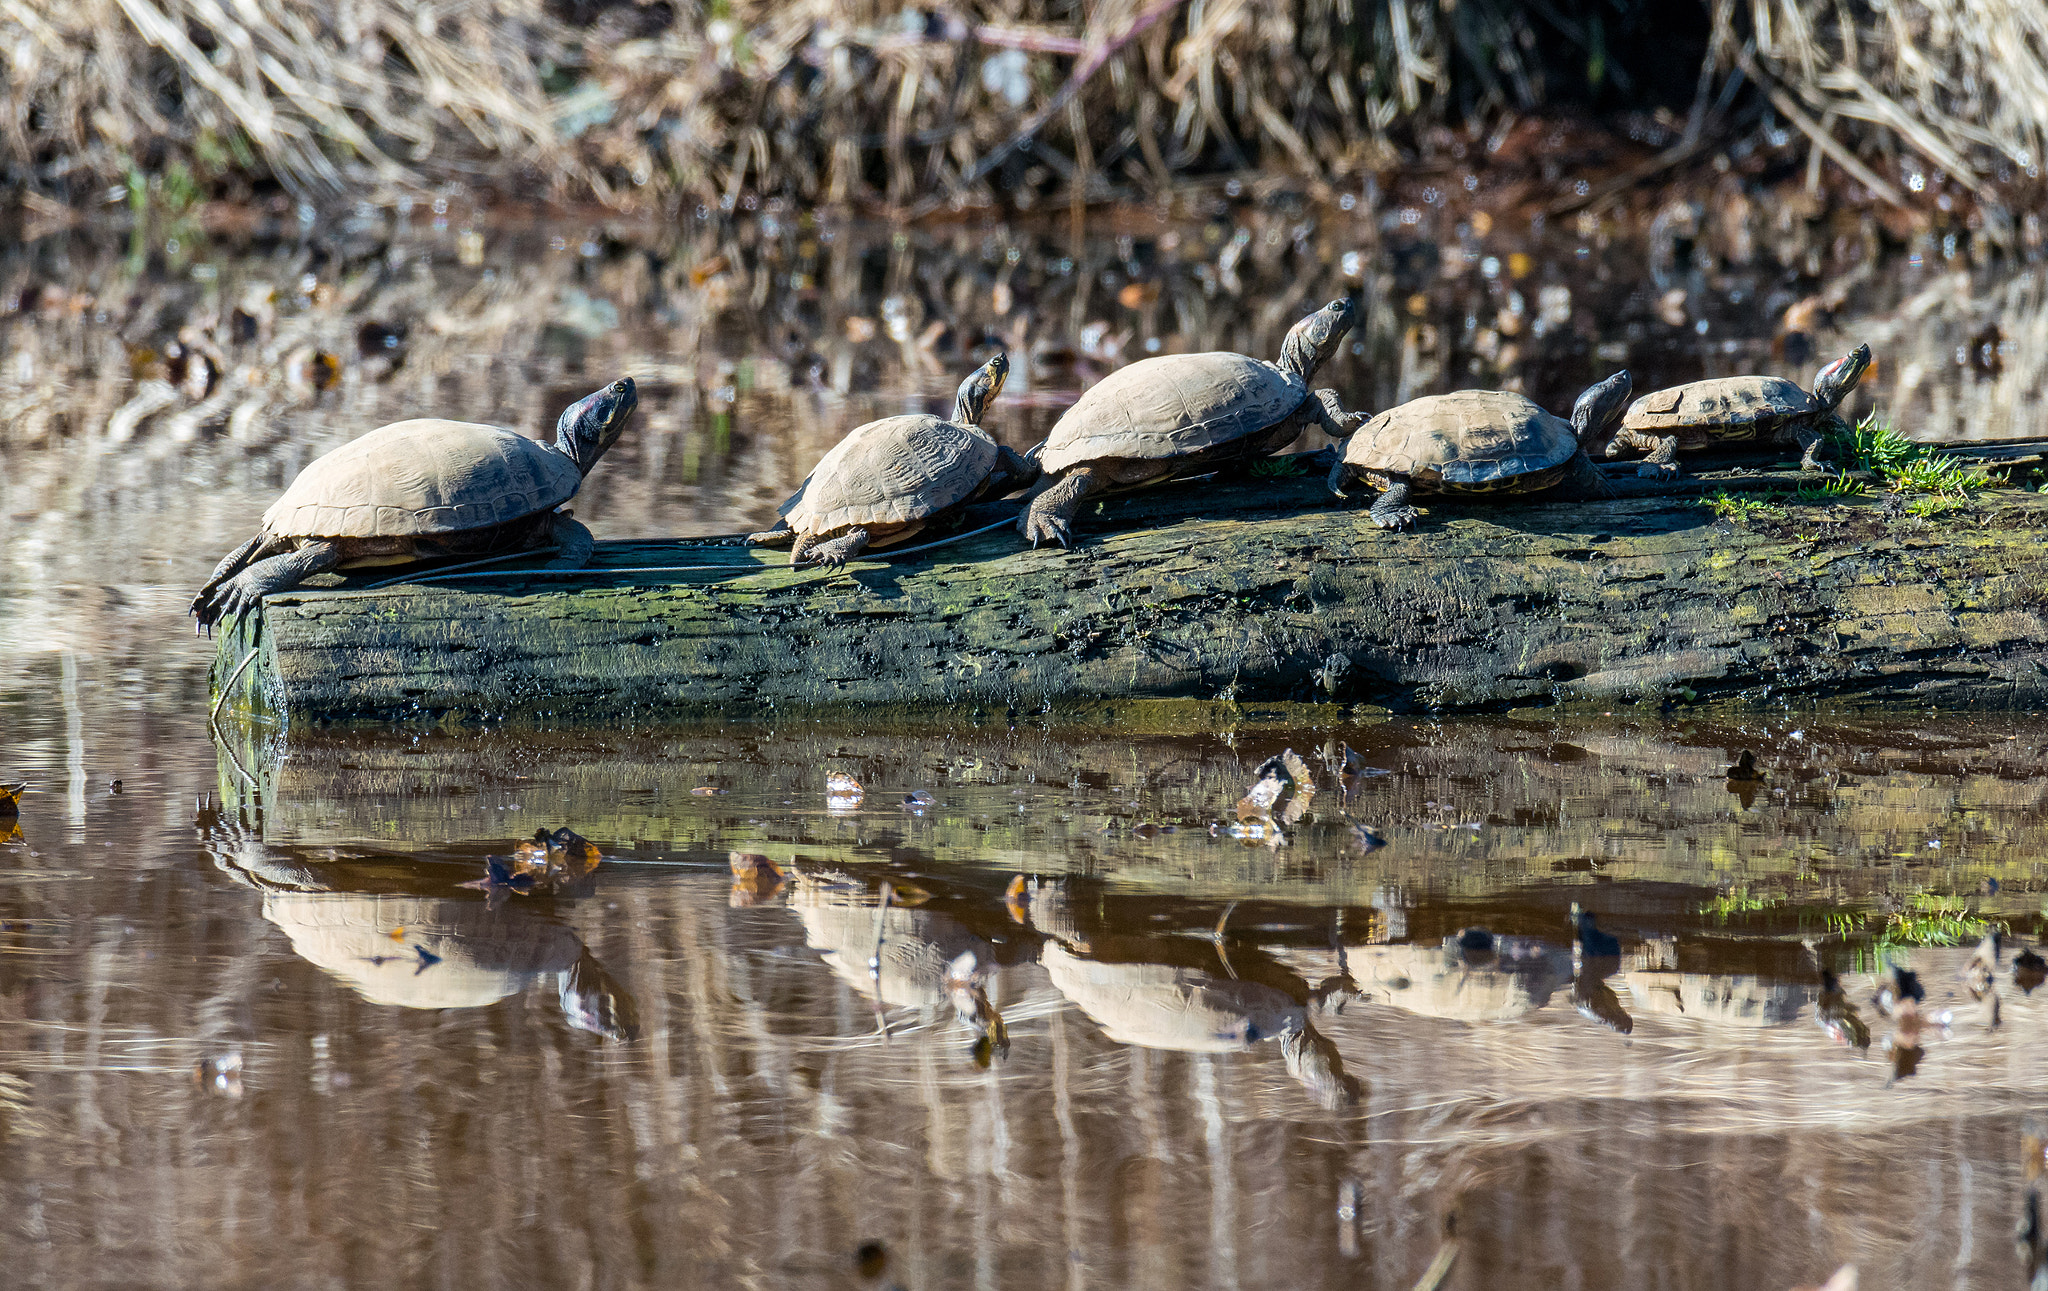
{"x": 1723, "y": 408}
{"x": 893, "y": 471}
{"x": 423, "y": 476}
{"x": 1166, "y": 1006}
{"x": 1467, "y": 441}
{"x": 1170, "y": 406}
{"x": 483, "y": 955}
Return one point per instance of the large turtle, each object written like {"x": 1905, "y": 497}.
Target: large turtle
{"x": 1700, "y": 413}
{"x": 1183, "y": 414}
{"x": 1475, "y": 441}
{"x": 420, "y": 488}
{"x": 889, "y": 479}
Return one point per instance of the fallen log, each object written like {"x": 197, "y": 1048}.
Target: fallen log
{"x": 1253, "y": 590}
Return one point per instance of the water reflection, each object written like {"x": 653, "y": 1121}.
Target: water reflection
{"x": 1131, "y": 1066}
{"x": 407, "y": 937}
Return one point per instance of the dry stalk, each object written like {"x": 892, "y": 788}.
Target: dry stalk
{"x": 846, "y": 102}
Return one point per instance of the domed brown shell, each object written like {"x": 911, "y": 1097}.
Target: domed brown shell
{"x": 1723, "y": 408}
{"x": 1469, "y": 439}
{"x": 423, "y": 476}
{"x": 1172, "y": 405}
{"x": 892, "y": 471}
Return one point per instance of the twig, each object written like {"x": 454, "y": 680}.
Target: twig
{"x": 875, "y": 960}
{"x": 1841, "y": 156}
{"x": 227, "y": 687}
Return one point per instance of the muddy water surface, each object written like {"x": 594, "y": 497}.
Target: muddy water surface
{"x": 1107, "y": 1029}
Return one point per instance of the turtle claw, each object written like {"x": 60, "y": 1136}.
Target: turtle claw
{"x": 1040, "y": 528}
{"x": 1649, "y": 470}
{"x": 1398, "y": 519}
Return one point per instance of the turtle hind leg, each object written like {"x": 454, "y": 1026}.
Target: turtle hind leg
{"x": 1392, "y": 510}
{"x": 573, "y": 543}
{"x": 833, "y": 554}
{"x": 780, "y": 536}
{"x": 1051, "y": 514}
{"x": 246, "y": 590}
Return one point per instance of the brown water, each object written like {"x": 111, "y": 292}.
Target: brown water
{"x": 655, "y": 1079}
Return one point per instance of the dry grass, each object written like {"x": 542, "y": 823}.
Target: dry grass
{"x": 870, "y": 101}
{"x": 1960, "y": 84}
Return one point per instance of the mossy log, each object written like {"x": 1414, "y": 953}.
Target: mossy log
{"x": 1253, "y": 590}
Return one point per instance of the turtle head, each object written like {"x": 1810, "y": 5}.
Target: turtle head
{"x": 590, "y": 425}
{"x": 979, "y": 390}
{"x": 1600, "y": 405}
{"x": 1314, "y": 339}
{"x": 1833, "y": 383}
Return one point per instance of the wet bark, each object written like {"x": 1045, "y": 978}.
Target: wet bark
{"x": 1254, "y": 590}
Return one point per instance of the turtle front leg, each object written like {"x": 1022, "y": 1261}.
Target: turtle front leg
{"x": 1662, "y": 463}
{"x": 1582, "y": 479}
{"x": 573, "y": 543}
{"x": 1326, "y": 411}
{"x": 1663, "y": 452}
{"x": 1392, "y": 510}
{"x": 780, "y": 536}
{"x": 833, "y": 554}
{"x": 1051, "y": 514}
{"x": 235, "y": 562}
{"x": 246, "y": 590}
{"x": 1809, "y": 441}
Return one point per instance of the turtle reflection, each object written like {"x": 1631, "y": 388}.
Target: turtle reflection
{"x": 902, "y": 955}
{"x": 402, "y": 936}
{"x": 1471, "y": 976}
{"x": 1187, "y": 994}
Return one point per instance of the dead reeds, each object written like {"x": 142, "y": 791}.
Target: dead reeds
{"x": 1029, "y": 101}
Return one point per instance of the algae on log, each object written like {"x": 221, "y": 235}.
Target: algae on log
{"x": 1256, "y": 590}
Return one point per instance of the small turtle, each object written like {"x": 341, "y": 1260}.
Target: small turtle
{"x": 421, "y": 488}
{"x": 1183, "y": 414}
{"x": 1700, "y": 413}
{"x": 889, "y": 479}
{"x": 1475, "y": 441}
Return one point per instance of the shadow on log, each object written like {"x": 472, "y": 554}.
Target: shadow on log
{"x": 1247, "y": 591}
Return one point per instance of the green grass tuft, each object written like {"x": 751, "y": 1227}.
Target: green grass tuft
{"x": 1738, "y": 901}
{"x": 1832, "y": 489}
{"x": 1273, "y": 468}
{"x": 1742, "y": 506}
{"x": 1873, "y": 445}
{"x": 1931, "y": 921}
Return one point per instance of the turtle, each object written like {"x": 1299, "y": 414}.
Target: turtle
{"x": 419, "y": 488}
{"x": 1185, "y": 414}
{"x": 890, "y": 479}
{"x": 1700, "y": 413}
{"x": 1475, "y": 441}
